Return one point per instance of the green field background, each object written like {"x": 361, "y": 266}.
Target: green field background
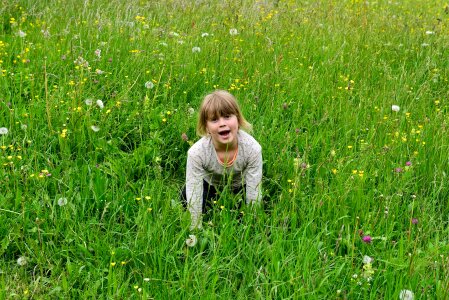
{"x": 98, "y": 107}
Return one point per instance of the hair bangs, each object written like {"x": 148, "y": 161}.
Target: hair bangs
{"x": 219, "y": 107}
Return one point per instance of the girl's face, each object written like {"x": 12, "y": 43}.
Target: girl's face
{"x": 223, "y": 130}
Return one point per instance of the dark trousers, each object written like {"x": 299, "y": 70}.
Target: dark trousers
{"x": 210, "y": 194}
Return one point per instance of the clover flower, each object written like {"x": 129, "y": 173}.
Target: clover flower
{"x": 95, "y": 128}
{"x": 367, "y": 239}
{"x": 196, "y": 49}
{"x": 184, "y": 137}
{"x": 97, "y": 53}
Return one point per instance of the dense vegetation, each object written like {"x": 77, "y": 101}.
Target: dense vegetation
{"x": 348, "y": 99}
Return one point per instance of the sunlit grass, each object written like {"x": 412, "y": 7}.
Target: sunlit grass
{"x": 98, "y": 109}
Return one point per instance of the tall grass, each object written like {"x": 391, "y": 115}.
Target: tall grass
{"x": 89, "y": 189}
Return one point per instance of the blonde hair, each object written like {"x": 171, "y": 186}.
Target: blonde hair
{"x": 216, "y": 104}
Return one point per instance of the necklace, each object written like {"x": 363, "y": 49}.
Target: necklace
{"x": 229, "y": 163}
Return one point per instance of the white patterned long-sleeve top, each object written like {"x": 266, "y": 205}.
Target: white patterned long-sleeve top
{"x": 203, "y": 164}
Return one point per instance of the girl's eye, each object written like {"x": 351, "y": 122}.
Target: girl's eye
{"x": 227, "y": 116}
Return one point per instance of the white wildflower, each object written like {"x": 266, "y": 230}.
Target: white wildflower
{"x": 88, "y": 101}
{"x": 95, "y": 128}
{"x": 406, "y": 295}
{"x": 233, "y": 31}
{"x": 98, "y": 53}
{"x": 173, "y": 34}
{"x": 395, "y": 108}
{"x": 164, "y": 44}
{"x": 3, "y": 130}
{"x": 100, "y": 104}
{"x": 21, "y": 34}
{"x": 196, "y": 49}
{"x": 62, "y": 201}
{"x": 46, "y": 33}
{"x": 21, "y": 261}
{"x": 146, "y": 279}
{"x": 24, "y": 126}
{"x": 191, "y": 111}
{"x": 424, "y": 45}
{"x": 180, "y": 42}
{"x": 204, "y": 34}
{"x": 99, "y": 72}
{"x": 428, "y": 32}
{"x": 149, "y": 84}
{"x": 81, "y": 62}
{"x": 367, "y": 259}
{"x": 191, "y": 241}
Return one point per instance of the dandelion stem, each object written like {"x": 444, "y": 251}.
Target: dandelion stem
{"x": 47, "y": 103}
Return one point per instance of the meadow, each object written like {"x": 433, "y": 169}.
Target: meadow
{"x": 98, "y": 107}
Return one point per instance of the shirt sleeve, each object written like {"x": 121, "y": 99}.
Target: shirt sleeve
{"x": 253, "y": 178}
{"x": 194, "y": 189}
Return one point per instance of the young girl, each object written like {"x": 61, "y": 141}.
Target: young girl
{"x": 224, "y": 149}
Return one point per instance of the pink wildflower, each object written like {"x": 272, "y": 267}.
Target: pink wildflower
{"x": 367, "y": 239}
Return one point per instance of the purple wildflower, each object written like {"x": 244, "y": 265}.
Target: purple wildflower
{"x": 367, "y": 239}
{"x": 415, "y": 221}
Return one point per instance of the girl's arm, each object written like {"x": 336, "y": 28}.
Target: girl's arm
{"x": 253, "y": 178}
{"x": 194, "y": 190}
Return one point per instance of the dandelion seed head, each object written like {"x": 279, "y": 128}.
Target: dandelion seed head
{"x": 62, "y": 201}
{"x": 3, "y": 130}
{"x": 196, "y": 49}
{"x": 367, "y": 259}
{"x": 191, "y": 241}
{"x": 395, "y": 108}
{"x": 149, "y": 84}
{"x": 21, "y": 261}
{"x": 406, "y": 295}
{"x": 100, "y": 104}
{"x": 233, "y": 31}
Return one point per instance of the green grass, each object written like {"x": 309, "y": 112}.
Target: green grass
{"x": 316, "y": 79}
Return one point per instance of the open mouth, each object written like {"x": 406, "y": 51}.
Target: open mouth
{"x": 224, "y": 133}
